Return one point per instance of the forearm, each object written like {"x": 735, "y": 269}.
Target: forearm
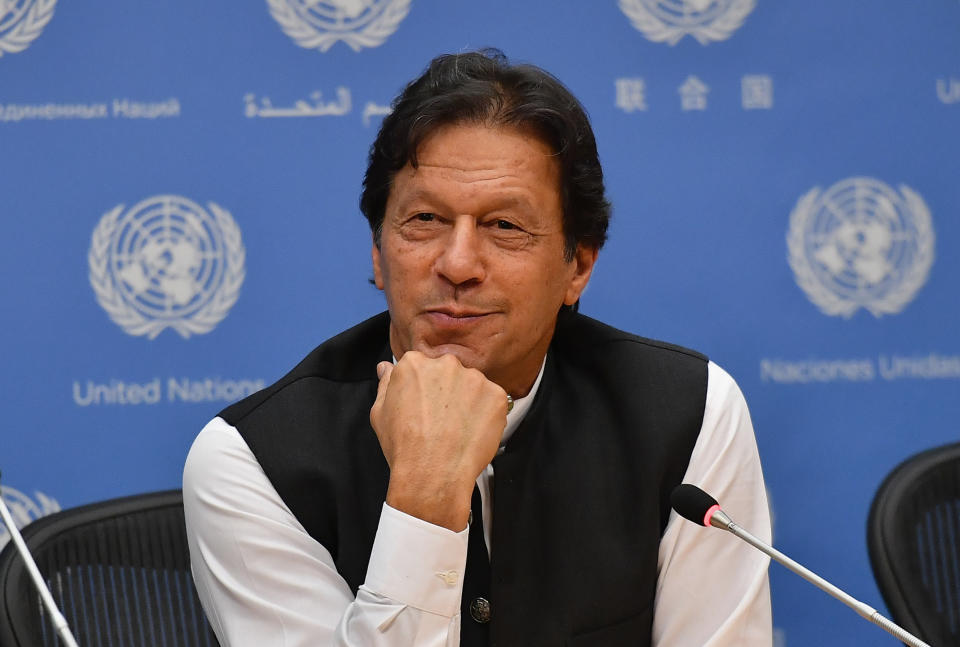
{"x": 264, "y": 580}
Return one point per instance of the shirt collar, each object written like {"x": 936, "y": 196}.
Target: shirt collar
{"x": 520, "y": 407}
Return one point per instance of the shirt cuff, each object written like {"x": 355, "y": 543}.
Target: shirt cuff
{"x": 417, "y": 563}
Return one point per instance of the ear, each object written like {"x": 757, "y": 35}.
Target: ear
{"x": 583, "y": 262}
{"x": 377, "y": 271}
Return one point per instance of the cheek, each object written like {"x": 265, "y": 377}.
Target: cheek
{"x": 404, "y": 269}
{"x": 397, "y": 260}
{"x": 553, "y": 286}
{"x": 536, "y": 297}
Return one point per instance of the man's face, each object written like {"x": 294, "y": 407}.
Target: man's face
{"x": 471, "y": 256}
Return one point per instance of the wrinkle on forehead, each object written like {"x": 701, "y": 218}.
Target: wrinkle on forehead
{"x": 475, "y": 168}
{"x": 466, "y": 158}
{"x": 496, "y": 179}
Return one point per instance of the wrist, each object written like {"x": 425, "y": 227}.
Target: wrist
{"x": 448, "y": 507}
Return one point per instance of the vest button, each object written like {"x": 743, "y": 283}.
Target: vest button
{"x": 480, "y": 610}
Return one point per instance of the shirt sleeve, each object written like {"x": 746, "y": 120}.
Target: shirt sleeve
{"x": 713, "y": 589}
{"x": 263, "y": 580}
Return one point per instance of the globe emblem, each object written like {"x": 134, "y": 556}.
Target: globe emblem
{"x": 670, "y": 20}
{"x": 318, "y": 24}
{"x": 167, "y": 262}
{"x": 339, "y": 15}
{"x": 861, "y": 244}
{"x": 688, "y": 13}
{"x": 21, "y": 21}
{"x": 168, "y": 256}
{"x": 12, "y": 12}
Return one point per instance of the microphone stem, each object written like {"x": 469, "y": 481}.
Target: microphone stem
{"x": 863, "y": 609}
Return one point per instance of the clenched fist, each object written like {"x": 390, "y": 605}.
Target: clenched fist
{"x": 439, "y": 426}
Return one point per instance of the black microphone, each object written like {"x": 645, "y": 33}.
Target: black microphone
{"x": 694, "y": 504}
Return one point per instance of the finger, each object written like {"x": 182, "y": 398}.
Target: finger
{"x": 384, "y": 370}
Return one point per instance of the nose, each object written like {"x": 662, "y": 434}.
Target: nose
{"x": 461, "y": 261}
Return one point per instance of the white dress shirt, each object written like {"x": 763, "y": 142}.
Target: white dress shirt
{"x": 264, "y": 581}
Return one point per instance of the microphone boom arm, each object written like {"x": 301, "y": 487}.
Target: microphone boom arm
{"x": 724, "y": 522}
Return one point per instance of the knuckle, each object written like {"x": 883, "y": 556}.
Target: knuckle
{"x": 476, "y": 379}
{"x": 448, "y": 360}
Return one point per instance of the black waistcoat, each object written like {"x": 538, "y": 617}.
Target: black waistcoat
{"x": 581, "y": 494}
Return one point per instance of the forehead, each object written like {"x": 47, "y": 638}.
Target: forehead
{"x": 476, "y": 158}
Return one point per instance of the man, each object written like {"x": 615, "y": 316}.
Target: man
{"x": 506, "y": 480}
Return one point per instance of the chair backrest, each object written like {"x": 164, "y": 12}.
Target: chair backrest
{"x": 913, "y": 535}
{"x": 119, "y": 571}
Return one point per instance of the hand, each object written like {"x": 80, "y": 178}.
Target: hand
{"x": 439, "y": 425}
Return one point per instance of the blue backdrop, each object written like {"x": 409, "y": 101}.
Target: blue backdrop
{"x": 180, "y": 224}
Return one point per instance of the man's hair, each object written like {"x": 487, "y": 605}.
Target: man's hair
{"x": 482, "y": 87}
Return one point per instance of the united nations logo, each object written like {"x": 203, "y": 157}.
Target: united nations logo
{"x": 318, "y": 24}
{"x": 167, "y": 263}
{"x": 860, "y": 244}
{"x": 667, "y": 21}
{"x": 21, "y": 21}
{"x": 23, "y": 509}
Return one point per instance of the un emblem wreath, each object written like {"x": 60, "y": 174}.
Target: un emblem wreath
{"x": 670, "y": 20}
{"x": 22, "y": 30}
{"x": 313, "y": 31}
{"x": 875, "y": 254}
{"x": 206, "y": 248}
{"x": 25, "y": 510}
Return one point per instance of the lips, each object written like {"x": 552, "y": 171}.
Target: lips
{"x": 456, "y": 313}
{"x": 455, "y": 318}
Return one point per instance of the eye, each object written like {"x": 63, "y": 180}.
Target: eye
{"x": 505, "y": 224}
{"x": 425, "y": 217}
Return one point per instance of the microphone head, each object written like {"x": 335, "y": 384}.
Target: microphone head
{"x": 692, "y": 503}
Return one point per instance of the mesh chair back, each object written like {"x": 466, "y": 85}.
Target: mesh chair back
{"x": 913, "y": 536}
{"x": 119, "y": 571}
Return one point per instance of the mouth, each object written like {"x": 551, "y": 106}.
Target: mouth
{"x": 455, "y": 317}
{"x": 458, "y": 313}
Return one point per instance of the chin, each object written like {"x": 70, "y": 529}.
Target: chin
{"x": 468, "y": 357}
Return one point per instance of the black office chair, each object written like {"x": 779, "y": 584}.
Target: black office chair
{"x": 913, "y": 535}
{"x": 119, "y": 571}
